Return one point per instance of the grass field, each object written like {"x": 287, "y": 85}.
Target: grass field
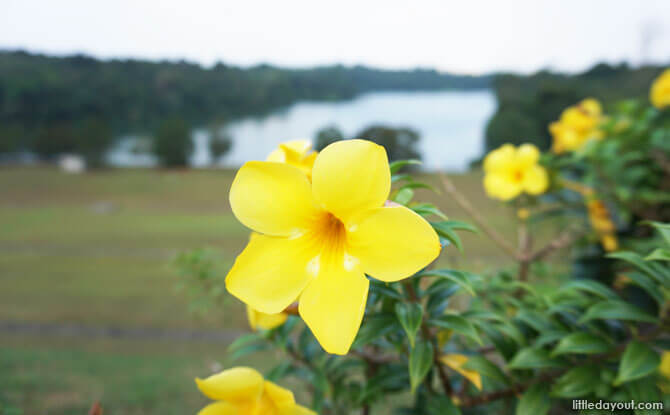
{"x": 94, "y": 250}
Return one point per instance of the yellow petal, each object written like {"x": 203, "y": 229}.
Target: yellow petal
{"x": 333, "y": 304}
{"x": 272, "y": 198}
{"x": 527, "y": 155}
{"x": 498, "y": 186}
{"x": 271, "y": 272}
{"x": 392, "y": 243}
{"x": 456, "y": 362}
{"x": 535, "y": 180}
{"x": 281, "y": 398}
{"x": 351, "y": 176}
{"x": 233, "y": 385}
{"x": 499, "y": 158}
{"x": 259, "y": 320}
{"x": 222, "y": 408}
{"x": 660, "y": 91}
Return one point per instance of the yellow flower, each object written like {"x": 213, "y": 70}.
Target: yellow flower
{"x": 242, "y": 391}
{"x": 509, "y": 171}
{"x": 660, "y": 91}
{"x": 319, "y": 239}
{"x": 577, "y": 125}
{"x": 456, "y": 362}
{"x": 265, "y": 321}
{"x": 600, "y": 219}
{"x": 297, "y": 153}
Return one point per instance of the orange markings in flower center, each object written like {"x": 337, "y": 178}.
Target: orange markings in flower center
{"x": 518, "y": 176}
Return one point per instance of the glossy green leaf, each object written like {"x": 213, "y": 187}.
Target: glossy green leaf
{"x": 461, "y": 278}
{"x": 638, "y": 361}
{"x": 658, "y": 254}
{"x": 404, "y": 196}
{"x": 395, "y": 166}
{"x": 420, "y": 362}
{"x": 576, "y": 382}
{"x": 593, "y": 287}
{"x": 458, "y": 324}
{"x": 427, "y": 209}
{"x": 535, "y": 401}
{"x": 583, "y": 343}
{"x": 486, "y": 368}
{"x": 616, "y": 310}
{"x": 534, "y": 358}
{"x": 410, "y": 316}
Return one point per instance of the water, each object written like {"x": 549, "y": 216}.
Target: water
{"x": 451, "y": 125}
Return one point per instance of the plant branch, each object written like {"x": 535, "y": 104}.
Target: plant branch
{"x": 463, "y": 202}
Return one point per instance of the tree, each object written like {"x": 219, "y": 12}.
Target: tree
{"x": 94, "y": 138}
{"x": 172, "y": 143}
{"x": 400, "y": 143}
{"x": 220, "y": 142}
{"x": 327, "y": 135}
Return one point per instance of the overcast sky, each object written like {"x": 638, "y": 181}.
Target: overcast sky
{"x": 464, "y": 36}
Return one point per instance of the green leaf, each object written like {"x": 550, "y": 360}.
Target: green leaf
{"x": 534, "y": 358}
{"x": 638, "y": 361}
{"x": 395, "y": 166}
{"x": 419, "y": 185}
{"x": 658, "y": 254}
{"x": 375, "y": 326}
{"x": 420, "y": 362}
{"x": 461, "y": 278}
{"x": 616, "y": 310}
{"x": 593, "y": 287}
{"x": 462, "y": 226}
{"x": 576, "y": 382}
{"x": 662, "y": 228}
{"x": 638, "y": 261}
{"x": 441, "y": 405}
{"x": 245, "y": 340}
{"x": 458, "y": 324}
{"x": 446, "y": 231}
{"x": 486, "y": 368}
{"x": 583, "y": 343}
{"x": 427, "y": 209}
{"x": 410, "y": 316}
{"x": 400, "y": 177}
{"x": 646, "y": 283}
{"x": 404, "y": 196}
{"x": 535, "y": 401}
{"x": 645, "y": 390}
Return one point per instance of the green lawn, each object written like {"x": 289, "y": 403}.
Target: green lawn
{"x": 95, "y": 250}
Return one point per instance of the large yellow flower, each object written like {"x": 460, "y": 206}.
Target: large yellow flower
{"x": 297, "y": 153}
{"x": 510, "y": 171}
{"x": 577, "y": 125}
{"x": 660, "y": 91}
{"x": 242, "y": 391}
{"x": 319, "y": 239}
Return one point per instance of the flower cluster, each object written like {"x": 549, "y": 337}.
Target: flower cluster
{"x": 577, "y": 125}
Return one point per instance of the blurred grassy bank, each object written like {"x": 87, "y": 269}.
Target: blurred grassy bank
{"x": 94, "y": 250}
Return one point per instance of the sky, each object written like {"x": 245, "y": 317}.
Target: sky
{"x": 472, "y": 36}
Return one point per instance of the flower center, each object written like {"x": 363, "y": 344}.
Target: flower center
{"x": 328, "y": 239}
{"x": 517, "y": 176}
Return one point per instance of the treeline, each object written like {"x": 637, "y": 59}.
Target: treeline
{"x": 527, "y": 104}
{"x": 53, "y": 104}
